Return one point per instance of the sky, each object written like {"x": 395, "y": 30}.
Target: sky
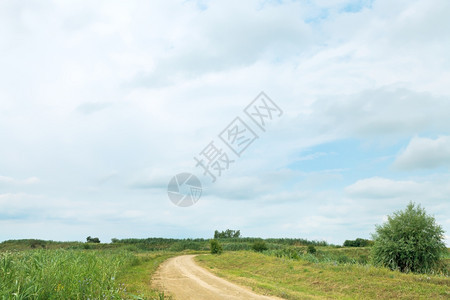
{"x": 102, "y": 103}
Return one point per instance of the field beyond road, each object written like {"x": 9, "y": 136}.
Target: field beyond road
{"x": 299, "y": 279}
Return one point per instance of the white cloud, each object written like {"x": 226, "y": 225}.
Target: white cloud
{"x": 425, "y": 153}
{"x": 378, "y": 196}
{"x": 9, "y": 181}
{"x": 98, "y": 98}
{"x": 378, "y": 187}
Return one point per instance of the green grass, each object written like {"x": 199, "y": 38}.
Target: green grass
{"x": 324, "y": 254}
{"x": 300, "y": 279}
{"x": 37, "y": 269}
{"x": 61, "y": 274}
{"x": 80, "y": 274}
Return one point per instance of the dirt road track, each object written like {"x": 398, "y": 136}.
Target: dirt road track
{"x": 184, "y": 280}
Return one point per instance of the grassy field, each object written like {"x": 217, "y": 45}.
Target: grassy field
{"x": 156, "y": 244}
{"x": 36, "y": 269}
{"x": 79, "y": 274}
{"x": 61, "y": 274}
{"x": 301, "y": 279}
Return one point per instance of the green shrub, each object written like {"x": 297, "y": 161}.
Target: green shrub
{"x": 311, "y": 249}
{"x": 215, "y": 246}
{"x": 259, "y": 246}
{"x": 409, "y": 241}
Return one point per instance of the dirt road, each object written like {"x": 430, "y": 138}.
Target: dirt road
{"x": 184, "y": 280}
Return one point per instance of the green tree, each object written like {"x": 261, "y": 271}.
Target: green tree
{"x": 357, "y": 243}
{"x": 410, "y": 241}
{"x": 227, "y": 234}
{"x": 215, "y": 246}
{"x": 90, "y": 239}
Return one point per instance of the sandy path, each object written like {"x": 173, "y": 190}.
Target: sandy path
{"x": 184, "y": 280}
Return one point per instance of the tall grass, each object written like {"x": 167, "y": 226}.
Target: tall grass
{"x": 62, "y": 274}
{"x": 343, "y": 256}
{"x": 324, "y": 255}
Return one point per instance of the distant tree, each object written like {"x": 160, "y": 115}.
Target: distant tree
{"x": 215, "y": 247}
{"x": 90, "y": 239}
{"x": 227, "y": 234}
{"x": 348, "y": 243}
{"x": 410, "y": 240}
{"x": 357, "y": 243}
{"x": 259, "y": 246}
{"x": 114, "y": 240}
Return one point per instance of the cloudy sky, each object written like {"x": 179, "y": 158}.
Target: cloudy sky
{"x": 102, "y": 102}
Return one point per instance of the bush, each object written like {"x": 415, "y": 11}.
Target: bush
{"x": 215, "y": 246}
{"x": 259, "y": 246}
{"x": 311, "y": 249}
{"x": 409, "y": 241}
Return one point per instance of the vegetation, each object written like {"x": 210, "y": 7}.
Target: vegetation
{"x": 79, "y": 274}
{"x": 302, "y": 279}
{"x": 163, "y": 244}
{"x": 311, "y": 249}
{"x": 259, "y": 246}
{"x": 227, "y": 234}
{"x": 330, "y": 255}
{"x": 90, "y": 239}
{"x": 410, "y": 241}
{"x": 289, "y": 268}
{"x": 136, "y": 278}
{"x": 61, "y": 274}
{"x": 159, "y": 244}
{"x": 228, "y": 244}
{"x": 358, "y": 243}
{"x": 215, "y": 246}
